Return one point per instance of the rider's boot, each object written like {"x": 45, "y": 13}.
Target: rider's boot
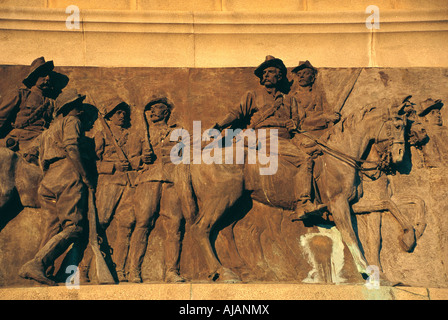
{"x": 35, "y": 270}
{"x": 305, "y": 207}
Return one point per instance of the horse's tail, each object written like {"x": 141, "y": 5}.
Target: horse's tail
{"x": 8, "y": 160}
{"x": 185, "y": 192}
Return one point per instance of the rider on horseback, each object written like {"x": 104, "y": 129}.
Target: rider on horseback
{"x": 26, "y": 113}
{"x": 269, "y": 108}
{"x": 313, "y": 108}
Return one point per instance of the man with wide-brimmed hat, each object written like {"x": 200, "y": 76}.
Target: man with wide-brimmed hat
{"x": 28, "y": 111}
{"x": 269, "y": 108}
{"x": 435, "y": 150}
{"x": 311, "y": 100}
{"x": 64, "y": 187}
{"x": 154, "y": 183}
{"x": 119, "y": 156}
{"x": 430, "y": 110}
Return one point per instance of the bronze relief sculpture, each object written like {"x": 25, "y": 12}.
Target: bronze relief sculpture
{"x": 321, "y": 168}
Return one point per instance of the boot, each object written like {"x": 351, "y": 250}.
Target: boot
{"x": 36, "y": 268}
{"x": 137, "y": 250}
{"x": 135, "y": 275}
{"x": 121, "y": 274}
{"x": 172, "y": 257}
{"x": 121, "y": 252}
{"x": 306, "y": 209}
{"x": 173, "y": 276}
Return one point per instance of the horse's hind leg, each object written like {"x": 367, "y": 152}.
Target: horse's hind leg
{"x": 341, "y": 213}
{"x": 209, "y": 213}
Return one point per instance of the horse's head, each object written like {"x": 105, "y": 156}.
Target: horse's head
{"x": 390, "y": 140}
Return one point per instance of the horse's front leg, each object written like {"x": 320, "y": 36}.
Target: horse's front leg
{"x": 340, "y": 210}
{"x": 420, "y": 217}
{"x": 407, "y": 240}
{"x": 209, "y": 213}
{"x": 371, "y": 243}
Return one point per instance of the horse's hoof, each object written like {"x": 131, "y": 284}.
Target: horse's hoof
{"x": 419, "y": 229}
{"x": 407, "y": 241}
{"x": 228, "y": 276}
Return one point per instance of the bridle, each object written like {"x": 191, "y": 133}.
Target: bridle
{"x": 380, "y": 167}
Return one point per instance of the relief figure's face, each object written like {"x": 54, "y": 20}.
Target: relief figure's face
{"x": 43, "y": 82}
{"x": 305, "y": 77}
{"x": 435, "y": 117}
{"x": 271, "y": 77}
{"x": 158, "y": 112}
{"x": 119, "y": 117}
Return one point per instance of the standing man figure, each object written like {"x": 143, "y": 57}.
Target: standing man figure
{"x": 116, "y": 175}
{"x": 268, "y": 108}
{"x": 64, "y": 187}
{"x": 155, "y": 178}
{"x": 25, "y": 114}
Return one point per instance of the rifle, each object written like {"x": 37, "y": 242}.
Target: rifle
{"x": 121, "y": 155}
{"x": 102, "y": 270}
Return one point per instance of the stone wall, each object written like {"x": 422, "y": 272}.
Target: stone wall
{"x": 231, "y": 5}
{"x": 225, "y": 33}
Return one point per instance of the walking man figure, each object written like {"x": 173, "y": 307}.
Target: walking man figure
{"x": 64, "y": 187}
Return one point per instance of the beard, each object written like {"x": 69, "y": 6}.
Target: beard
{"x": 45, "y": 87}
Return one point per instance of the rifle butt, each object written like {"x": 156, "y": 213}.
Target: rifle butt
{"x": 103, "y": 273}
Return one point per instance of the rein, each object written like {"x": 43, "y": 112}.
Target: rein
{"x": 352, "y": 161}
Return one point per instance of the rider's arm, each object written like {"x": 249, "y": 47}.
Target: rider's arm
{"x": 244, "y": 109}
{"x": 9, "y": 106}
